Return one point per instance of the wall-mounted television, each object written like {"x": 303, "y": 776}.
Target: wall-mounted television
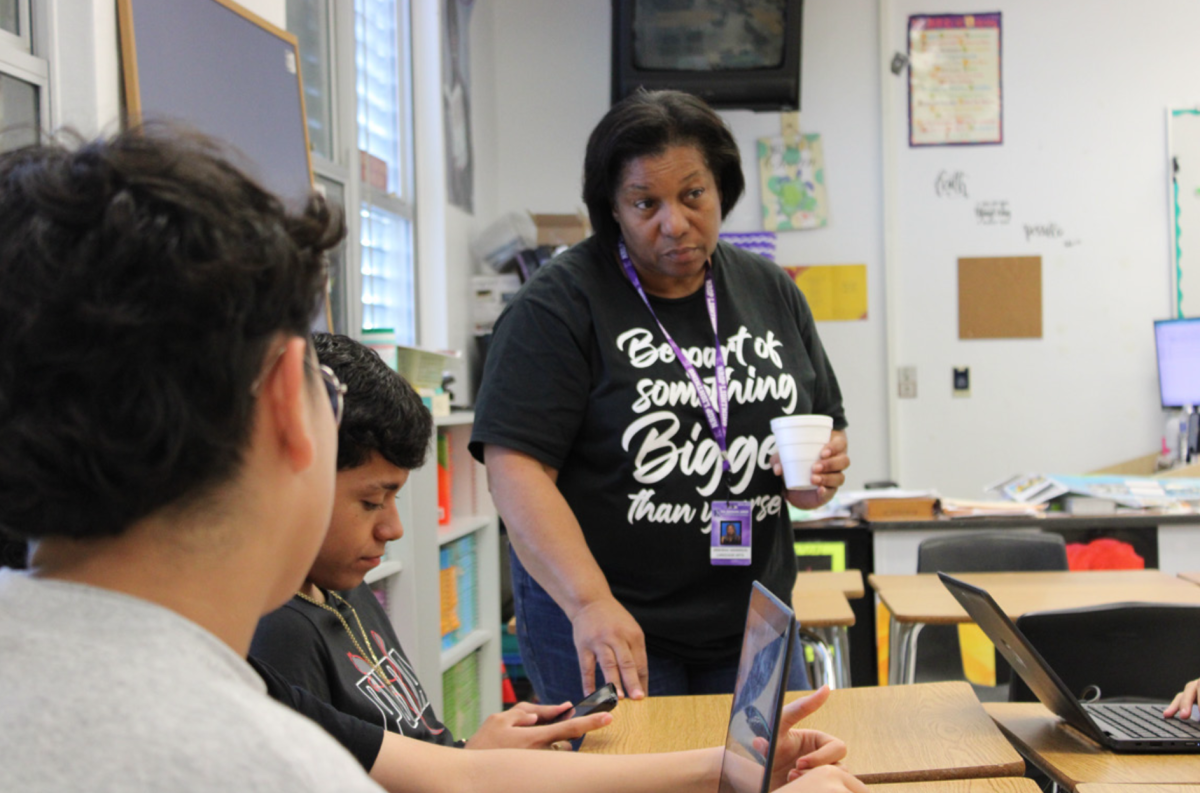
{"x": 731, "y": 53}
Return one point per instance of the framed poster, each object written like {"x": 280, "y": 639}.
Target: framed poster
{"x": 954, "y": 80}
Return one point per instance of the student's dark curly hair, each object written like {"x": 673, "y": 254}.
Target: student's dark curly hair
{"x": 141, "y": 280}
{"x": 383, "y": 412}
{"x": 647, "y": 123}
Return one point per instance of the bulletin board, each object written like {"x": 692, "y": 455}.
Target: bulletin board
{"x": 1183, "y": 169}
{"x": 218, "y": 68}
{"x": 1000, "y": 297}
{"x": 214, "y": 66}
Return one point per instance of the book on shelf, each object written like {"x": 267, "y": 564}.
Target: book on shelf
{"x": 445, "y": 477}
{"x": 460, "y": 696}
{"x": 458, "y": 574}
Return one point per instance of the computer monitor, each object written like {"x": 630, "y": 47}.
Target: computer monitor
{"x": 1178, "y": 344}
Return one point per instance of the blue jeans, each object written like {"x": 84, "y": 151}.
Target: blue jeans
{"x": 548, "y": 654}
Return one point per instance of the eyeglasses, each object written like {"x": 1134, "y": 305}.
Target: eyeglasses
{"x": 334, "y": 388}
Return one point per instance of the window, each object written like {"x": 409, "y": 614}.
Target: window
{"x": 384, "y": 135}
{"x": 10, "y": 20}
{"x": 309, "y": 21}
{"x": 23, "y": 79}
{"x": 363, "y": 159}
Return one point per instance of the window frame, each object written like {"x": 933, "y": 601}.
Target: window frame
{"x": 345, "y": 170}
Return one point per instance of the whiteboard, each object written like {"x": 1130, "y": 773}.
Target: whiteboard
{"x": 213, "y": 65}
{"x": 1183, "y": 164}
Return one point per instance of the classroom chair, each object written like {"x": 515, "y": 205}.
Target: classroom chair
{"x": 1121, "y": 651}
{"x": 939, "y": 656}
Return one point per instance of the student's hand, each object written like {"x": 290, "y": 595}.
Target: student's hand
{"x": 1182, "y": 704}
{"x": 800, "y": 750}
{"x": 827, "y": 473}
{"x": 825, "y": 779}
{"x": 521, "y": 727}
{"x": 608, "y": 635}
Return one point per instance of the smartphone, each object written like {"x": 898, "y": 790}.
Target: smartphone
{"x": 599, "y": 701}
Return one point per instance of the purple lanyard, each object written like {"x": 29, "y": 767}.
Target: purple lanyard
{"x": 718, "y": 418}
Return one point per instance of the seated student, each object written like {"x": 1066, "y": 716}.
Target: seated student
{"x": 332, "y": 638}
{"x": 167, "y": 445}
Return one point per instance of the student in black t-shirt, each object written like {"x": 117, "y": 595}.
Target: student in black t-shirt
{"x": 333, "y": 639}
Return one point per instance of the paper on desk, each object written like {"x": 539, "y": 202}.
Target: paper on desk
{"x": 963, "y": 508}
{"x": 852, "y": 497}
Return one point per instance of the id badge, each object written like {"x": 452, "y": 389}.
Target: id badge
{"x": 730, "y": 534}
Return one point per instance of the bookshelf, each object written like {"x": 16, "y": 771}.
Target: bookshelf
{"x": 459, "y": 669}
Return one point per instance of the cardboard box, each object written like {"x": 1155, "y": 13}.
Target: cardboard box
{"x": 561, "y": 229}
{"x": 897, "y": 509}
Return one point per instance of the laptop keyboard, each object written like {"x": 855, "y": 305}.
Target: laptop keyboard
{"x": 1143, "y": 721}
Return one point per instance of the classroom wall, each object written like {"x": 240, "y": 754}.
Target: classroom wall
{"x": 1084, "y": 149}
{"x": 552, "y": 86}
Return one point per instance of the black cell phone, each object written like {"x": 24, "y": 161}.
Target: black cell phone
{"x": 601, "y": 700}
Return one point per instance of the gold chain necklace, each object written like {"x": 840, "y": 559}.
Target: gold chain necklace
{"x": 368, "y": 653}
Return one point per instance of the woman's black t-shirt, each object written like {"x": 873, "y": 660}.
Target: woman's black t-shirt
{"x": 579, "y": 376}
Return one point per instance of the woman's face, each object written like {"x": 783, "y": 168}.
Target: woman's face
{"x": 669, "y": 211}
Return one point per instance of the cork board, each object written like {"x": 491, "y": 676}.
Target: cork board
{"x": 1000, "y": 298}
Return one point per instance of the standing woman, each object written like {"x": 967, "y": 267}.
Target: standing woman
{"x": 609, "y": 467}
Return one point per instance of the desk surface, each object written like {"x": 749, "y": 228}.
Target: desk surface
{"x": 1008, "y": 784}
{"x": 897, "y": 734}
{"x": 1097, "y": 787}
{"x": 1071, "y": 759}
{"x": 923, "y": 598}
{"x": 823, "y": 608}
{"x": 1147, "y": 519}
{"x": 1191, "y": 577}
{"x": 848, "y": 582}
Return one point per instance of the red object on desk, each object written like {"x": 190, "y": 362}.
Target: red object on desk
{"x": 1103, "y": 554}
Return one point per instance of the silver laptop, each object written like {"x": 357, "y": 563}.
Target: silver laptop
{"x": 758, "y": 695}
{"x": 1137, "y": 728}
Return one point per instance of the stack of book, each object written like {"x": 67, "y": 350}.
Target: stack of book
{"x": 460, "y": 696}
{"x": 458, "y": 590}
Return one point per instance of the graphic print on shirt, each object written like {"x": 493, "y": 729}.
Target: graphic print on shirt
{"x": 664, "y": 444}
{"x": 392, "y": 687}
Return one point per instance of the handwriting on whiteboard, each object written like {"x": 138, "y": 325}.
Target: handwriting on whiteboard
{"x": 993, "y": 213}
{"x": 1046, "y": 231}
{"x": 950, "y": 184}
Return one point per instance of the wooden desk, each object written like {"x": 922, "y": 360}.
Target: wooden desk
{"x": 1096, "y": 787}
{"x": 901, "y": 734}
{"x": 822, "y": 608}
{"x": 1071, "y": 760}
{"x": 918, "y": 600}
{"x": 825, "y": 616}
{"x": 1192, "y": 577}
{"x": 1008, "y": 784}
{"x": 848, "y": 582}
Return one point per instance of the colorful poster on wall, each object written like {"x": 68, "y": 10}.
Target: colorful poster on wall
{"x": 792, "y": 177}
{"x": 954, "y": 80}
{"x": 835, "y": 292}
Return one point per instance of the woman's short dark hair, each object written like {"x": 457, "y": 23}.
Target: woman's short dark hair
{"x": 646, "y": 123}
{"x": 142, "y": 279}
{"x": 383, "y": 412}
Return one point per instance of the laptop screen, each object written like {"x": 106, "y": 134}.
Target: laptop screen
{"x": 758, "y": 694}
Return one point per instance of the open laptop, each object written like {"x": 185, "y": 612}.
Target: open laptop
{"x": 1138, "y": 727}
{"x": 758, "y": 695}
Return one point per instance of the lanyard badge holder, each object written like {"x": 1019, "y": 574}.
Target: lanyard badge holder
{"x": 731, "y": 529}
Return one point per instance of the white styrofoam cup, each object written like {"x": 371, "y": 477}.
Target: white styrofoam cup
{"x": 799, "y": 440}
